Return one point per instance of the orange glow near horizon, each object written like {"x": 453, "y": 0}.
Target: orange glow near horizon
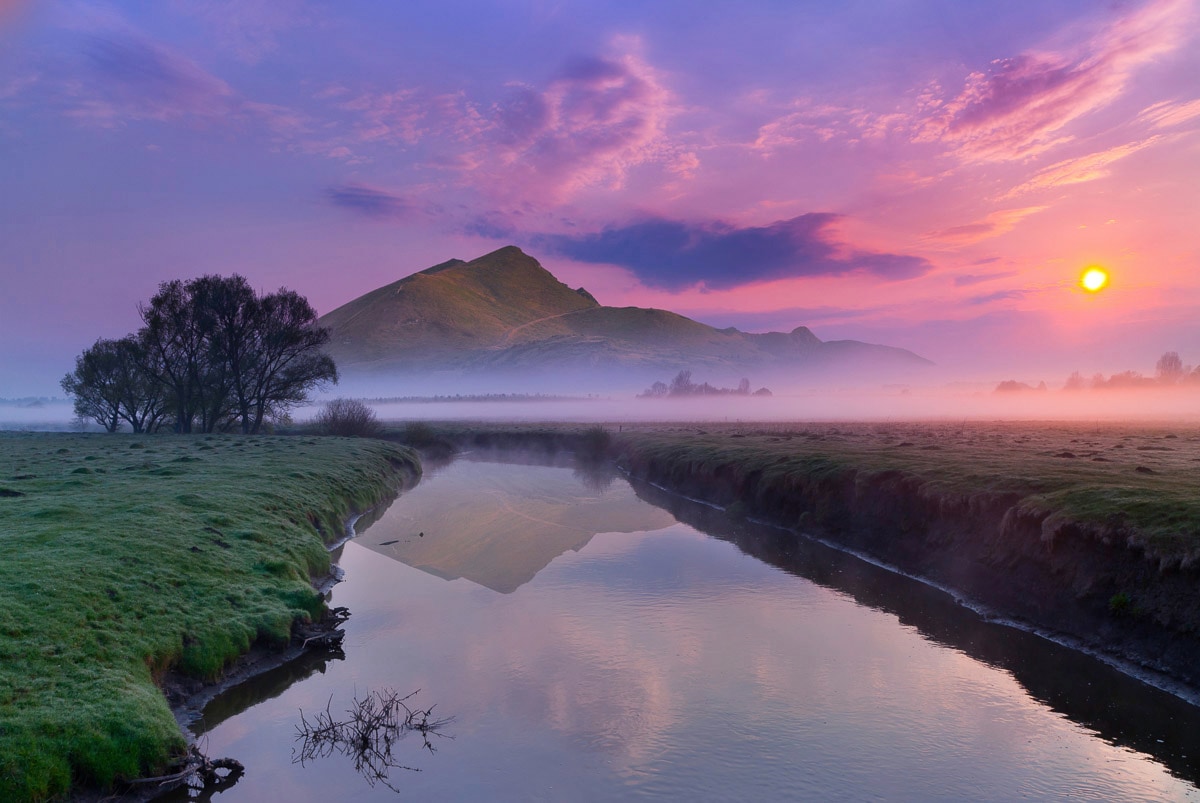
{"x": 1094, "y": 279}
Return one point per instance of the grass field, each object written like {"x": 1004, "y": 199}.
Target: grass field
{"x": 126, "y": 556}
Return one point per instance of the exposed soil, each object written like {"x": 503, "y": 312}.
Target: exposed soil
{"x": 1096, "y": 585}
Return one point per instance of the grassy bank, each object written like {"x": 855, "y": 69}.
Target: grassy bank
{"x": 1092, "y": 532}
{"x": 126, "y": 556}
{"x": 1141, "y": 482}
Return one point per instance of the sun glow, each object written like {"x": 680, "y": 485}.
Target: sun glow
{"x": 1094, "y": 280}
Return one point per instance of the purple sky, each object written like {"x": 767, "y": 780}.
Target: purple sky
{"x": 933, "y": 175}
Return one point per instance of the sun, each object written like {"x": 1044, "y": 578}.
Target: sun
{"x": 1094, "y": 280}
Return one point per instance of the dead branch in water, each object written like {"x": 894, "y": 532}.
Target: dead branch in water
{"x": 199, "y": 772}
{"x": 376, "y": 724}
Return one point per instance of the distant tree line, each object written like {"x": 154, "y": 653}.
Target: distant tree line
{"x": 1013, "y": 386}
{"x": 212, "y": 355}
{"x": 478, "y": 397}
{"x": 1169, "y": 370}
{"x": 682, "y": 385}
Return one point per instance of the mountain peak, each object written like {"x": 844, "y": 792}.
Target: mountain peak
{"x": 507, "y": 252}
{"x": 805, "y": 334}
{"x": 503, "y": 311}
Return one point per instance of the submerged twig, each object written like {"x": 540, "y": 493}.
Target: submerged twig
{"x": 376, "y": 723}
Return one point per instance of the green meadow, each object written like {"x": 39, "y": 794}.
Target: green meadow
{"x": 128, "y": 556}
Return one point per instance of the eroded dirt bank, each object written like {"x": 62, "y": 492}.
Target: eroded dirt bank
{"x": 1104, "y": 584}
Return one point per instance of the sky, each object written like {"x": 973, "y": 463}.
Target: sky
{"x": 933, "y": 175}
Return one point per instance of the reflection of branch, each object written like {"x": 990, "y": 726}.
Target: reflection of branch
{"x": 375, "y": 725}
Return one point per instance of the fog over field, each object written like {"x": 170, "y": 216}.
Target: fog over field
{"x": 967, "y": 402}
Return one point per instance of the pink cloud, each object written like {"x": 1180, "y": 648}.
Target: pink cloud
{"x": 1022, "y": 105}
{"x": 993, "y": 225}
{"x": 827, "y": 123}
{"x": 593, "y": 122}
{"x": 1170, "y": 113}
{"x": 405, "y": 119}
{"x": 1081, "y": 169}
{"x": 398, "y": 117}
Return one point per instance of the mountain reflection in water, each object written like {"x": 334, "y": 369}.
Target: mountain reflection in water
{"x": 499, "y": 529}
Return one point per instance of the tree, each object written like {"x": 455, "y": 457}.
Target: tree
{"x": 682, "y": 385}
{"x": 1074, "y": 382}
{"x": 1169, "y": 367}
{"x": 226, "y": 312}
{"x": 109, "y": 386}
{"x": 285, "y": 359}
{"x": 656, "y": 391}
{"x": 211, "y": 353}
{"x": 96, "y": 385}
{"x": 228, "y": 357}
{"x": 176, "y": 351}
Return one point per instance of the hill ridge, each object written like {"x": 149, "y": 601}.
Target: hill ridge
{"x": 504, "y": 312}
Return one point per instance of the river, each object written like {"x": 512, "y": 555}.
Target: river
{"x": 589, "y": 640}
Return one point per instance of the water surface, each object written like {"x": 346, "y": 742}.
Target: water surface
{"x": 592, "y": 642}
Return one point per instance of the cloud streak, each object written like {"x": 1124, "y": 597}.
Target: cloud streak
{"x": 370, "y": 202}
{"x": 1169, "y": 113}
{"x": 120, "y": 77}
{"x": 1022, "y": 105}
{"x": 970, "y": 279}
{"x": 674, "y": 255}
{"x": 1082, "y": 169}
{"x": 134, "y": 78}
{"x": 999, "y": 295}
{"x": 993, "y": 225}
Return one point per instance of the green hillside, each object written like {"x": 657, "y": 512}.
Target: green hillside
{"x": 504, "y": 311}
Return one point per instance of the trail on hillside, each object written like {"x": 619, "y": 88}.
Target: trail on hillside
{"x": 508, "y": 336}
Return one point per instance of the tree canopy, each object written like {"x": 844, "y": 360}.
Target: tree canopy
{"x": 211, "y": 354}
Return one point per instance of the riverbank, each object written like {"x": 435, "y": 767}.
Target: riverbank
{"x": 1087, "y": 532}
{"x": 129, "y": 558}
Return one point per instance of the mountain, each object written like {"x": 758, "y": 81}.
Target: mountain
{"x": 505, "y": 313}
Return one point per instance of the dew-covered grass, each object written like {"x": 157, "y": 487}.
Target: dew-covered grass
{"x": 124, "y": 556}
